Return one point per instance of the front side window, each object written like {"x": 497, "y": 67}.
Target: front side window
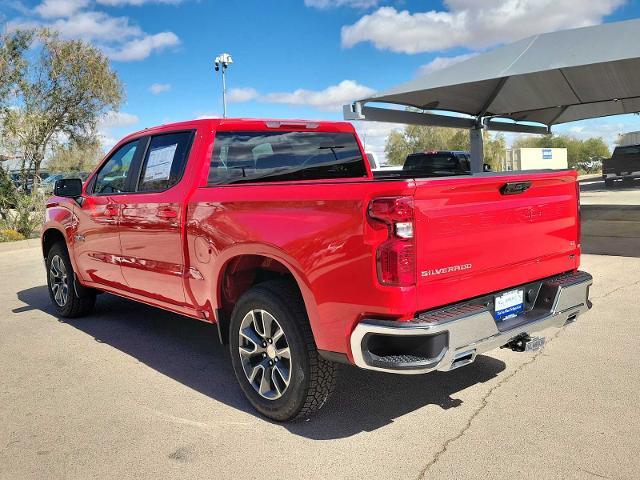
{"x": 112, "y": 177}
{"x": 280, "y": 156}
{"x": 164, "y": 161}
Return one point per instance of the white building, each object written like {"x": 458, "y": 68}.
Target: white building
{"x": 631, "y": 138}
{"x": 534, "y": 159}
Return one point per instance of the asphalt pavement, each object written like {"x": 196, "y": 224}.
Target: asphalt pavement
{"x": 135, "y": 392}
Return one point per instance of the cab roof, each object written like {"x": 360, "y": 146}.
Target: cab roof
{"x": 248, "y": 124}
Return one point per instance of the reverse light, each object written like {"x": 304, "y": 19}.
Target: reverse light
{"x": 404, "y": 229}
{"x": 395, "y": 257}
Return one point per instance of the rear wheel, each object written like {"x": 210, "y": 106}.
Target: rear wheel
{"x": 60, "y": 281}
{"x": 608, "y": 183}
{"x": 274, "y": 356}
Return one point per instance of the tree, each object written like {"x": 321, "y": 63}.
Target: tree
{"x": 12, "y": 63}
{"x": 65, "y": 87}
{"x": 418, "y": 138}
{"x": 75, "y": 157}
{"x": 495, "y": 148}
{"x": 7, "y": 194}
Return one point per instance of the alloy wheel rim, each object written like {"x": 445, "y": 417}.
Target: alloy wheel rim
{"x": 265, "y": 354}
{"x": 59, "y": 281}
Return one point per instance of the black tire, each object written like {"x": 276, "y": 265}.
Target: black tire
{"x": 312, "y": 378}
{"x": 608, "y": 183}
{"x": 70, "y": 305}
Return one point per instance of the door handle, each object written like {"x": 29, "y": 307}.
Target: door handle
{"x": 111, "y": 210}
{"x": 167, "y": 212}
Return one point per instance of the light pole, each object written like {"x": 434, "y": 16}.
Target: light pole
{"x": 221, "y": 63}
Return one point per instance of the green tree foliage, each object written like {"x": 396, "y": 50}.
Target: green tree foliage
{"x": 495, "y": 147}
{"x": 578, "y": 151}
{"x": 418, "y": 138}
{"x": 75, "y": 157}
{"x": 8, "y": 194}
{"x": 12, "y": 63}
{"x": 62, "y": 91}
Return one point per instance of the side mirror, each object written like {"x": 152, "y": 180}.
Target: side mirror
{"x": 486, "y": 167}
{"x": 68, "y": 187}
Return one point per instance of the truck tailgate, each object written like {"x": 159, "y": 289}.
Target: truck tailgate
{"x": 472, "y": 239}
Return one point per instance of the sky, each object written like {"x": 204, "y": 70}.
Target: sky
{"x": 297, "y": 58}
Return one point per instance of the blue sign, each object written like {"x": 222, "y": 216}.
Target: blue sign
{"x": 547, "y": 154}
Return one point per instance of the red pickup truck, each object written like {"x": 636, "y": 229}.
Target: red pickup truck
{"x": 279, "y": 233}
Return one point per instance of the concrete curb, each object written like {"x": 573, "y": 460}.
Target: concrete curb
{"x": 19, "y": 245}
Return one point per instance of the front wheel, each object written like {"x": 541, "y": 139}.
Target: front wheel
{"x": 60, "y": 281}
{"x": 274, "y": 355}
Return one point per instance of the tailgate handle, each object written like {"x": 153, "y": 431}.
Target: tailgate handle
{"x": 514, "y": 188}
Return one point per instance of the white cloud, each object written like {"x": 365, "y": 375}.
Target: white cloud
{"x": 374, "y": 137}
{"x": 96, "y": 26}
{"x": 60, "y": 8}
{"x": 205, "y": 115}
{"x": 330, "y": 99}
{"x": 472, "y": 24}
{"x": 239, "y": 95}
{"x": 158, "y": 88}
{"x": 141, "y": 48}
{"x": 607, "y": 130}
{"x": 113, "y": 119}
{"x": 119, "y": 3}
{"x": 439, "y": 63}
{"x": 324, "y": 4}
{"x": 115, "y": 35}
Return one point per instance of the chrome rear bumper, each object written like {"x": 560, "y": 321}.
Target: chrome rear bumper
{"x": 451, "y": 337}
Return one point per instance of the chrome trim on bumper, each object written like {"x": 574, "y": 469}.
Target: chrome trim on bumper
{"x": 472, "y": 329}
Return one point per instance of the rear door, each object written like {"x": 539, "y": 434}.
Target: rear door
{"x": 475, "y": 237}
{"x": 151, "y": 220}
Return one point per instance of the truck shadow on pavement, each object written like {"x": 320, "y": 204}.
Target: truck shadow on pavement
{"x": 611, "y": 230}
{"x": 189, "y": 352}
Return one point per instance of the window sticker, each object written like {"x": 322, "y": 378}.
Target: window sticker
{"x": 159, "y": 163}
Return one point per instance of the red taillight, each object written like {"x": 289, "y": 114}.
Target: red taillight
{"x": 395, "y": 257}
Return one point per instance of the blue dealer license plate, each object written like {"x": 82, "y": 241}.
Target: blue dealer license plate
{"x": 509, "y": 303}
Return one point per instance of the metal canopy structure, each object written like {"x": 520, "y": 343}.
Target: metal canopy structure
{"x": 544, "y": 81}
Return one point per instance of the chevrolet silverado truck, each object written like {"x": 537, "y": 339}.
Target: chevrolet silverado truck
{"x": 278, "y": 232}
{"x": 623, "y": 165}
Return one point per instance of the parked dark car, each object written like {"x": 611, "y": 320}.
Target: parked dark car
{"x": 441, "y": 162}
{"x": 623, "y": 165}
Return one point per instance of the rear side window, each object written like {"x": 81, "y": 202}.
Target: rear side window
{"x": 164, "y": 161}
{"x": 278, "y": 156}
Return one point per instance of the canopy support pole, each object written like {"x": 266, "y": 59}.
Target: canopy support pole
{"x": 477, "y": 147}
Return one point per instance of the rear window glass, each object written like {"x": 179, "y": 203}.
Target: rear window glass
{"x": 279, "y": 156}
{"x": 630, "y": 150}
